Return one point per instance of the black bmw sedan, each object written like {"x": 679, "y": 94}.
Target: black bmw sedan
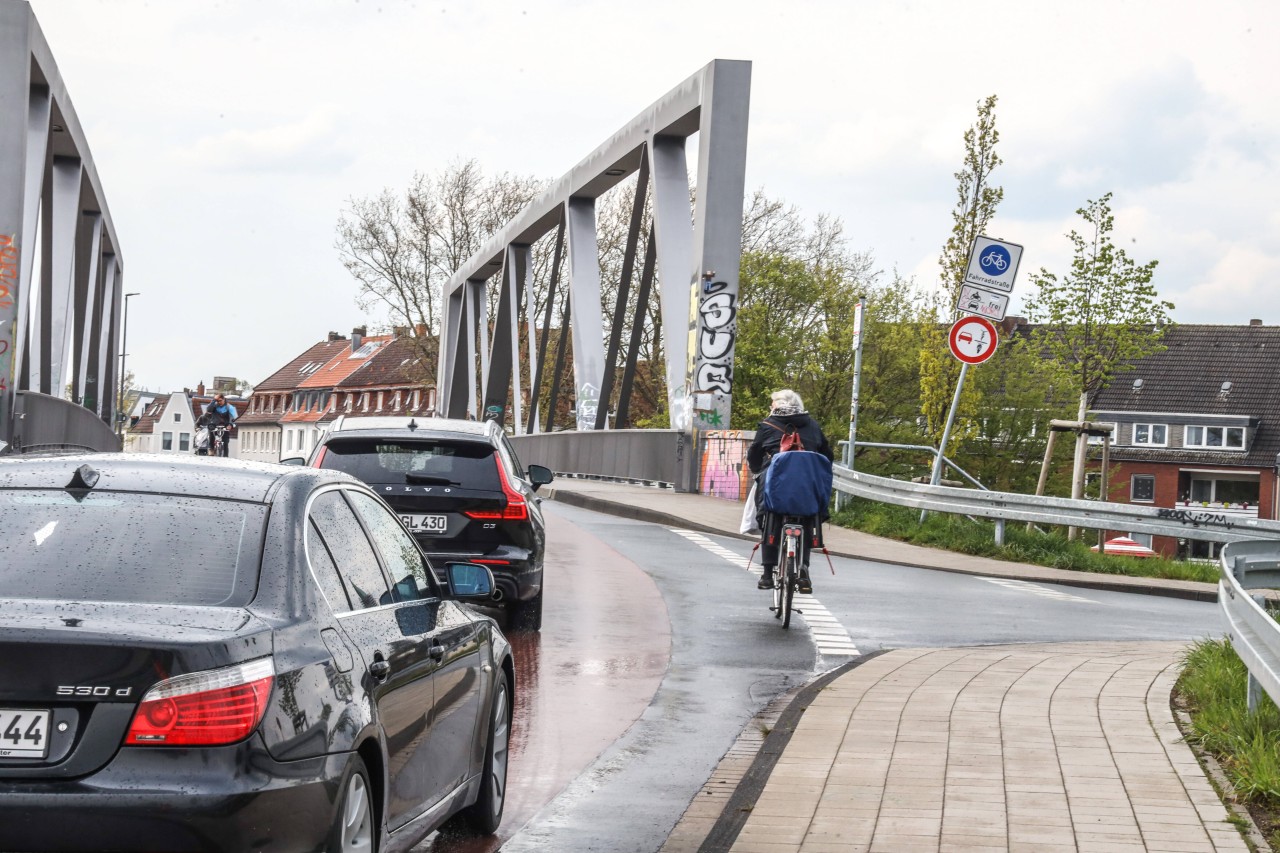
{"x": 201, "y": 654}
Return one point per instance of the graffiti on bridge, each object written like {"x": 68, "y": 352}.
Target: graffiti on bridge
{"x": 716, "y": 339}
{"x": 8, "y": 290}
{"x": 723, "y": 470}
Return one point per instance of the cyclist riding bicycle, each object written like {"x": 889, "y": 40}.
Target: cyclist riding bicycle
{"x": 786, "y": 416}
{"x": 220, "y": 413}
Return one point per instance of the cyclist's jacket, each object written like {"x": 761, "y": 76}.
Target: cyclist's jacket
{"x": 224, "y": 415}
{"x": 768, "y": 439}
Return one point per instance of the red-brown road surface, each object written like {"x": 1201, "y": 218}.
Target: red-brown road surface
{"x": 582, "y": 681}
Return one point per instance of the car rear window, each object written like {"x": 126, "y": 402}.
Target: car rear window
{"x": 120, "y": 546}
{"x": 469, "y": 464}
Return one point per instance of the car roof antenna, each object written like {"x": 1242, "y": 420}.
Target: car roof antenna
{"x": 413, "y": 424}
{"x": 84, "y": 479}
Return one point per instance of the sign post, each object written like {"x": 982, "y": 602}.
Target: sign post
{"x": 988, "y": 279}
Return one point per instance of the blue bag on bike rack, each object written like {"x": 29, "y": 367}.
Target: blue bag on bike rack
{"x": 797, "y": 482}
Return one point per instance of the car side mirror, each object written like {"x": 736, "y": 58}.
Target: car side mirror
{"x": 539, "y": 475}
{"x": 469, "y": 582}
{"x": 293, "y": 460}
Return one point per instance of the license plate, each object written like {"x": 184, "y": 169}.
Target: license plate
{"x": 24, "y": 733}
{"x": 425, "y": 523}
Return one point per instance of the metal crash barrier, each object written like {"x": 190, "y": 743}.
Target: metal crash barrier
{"x": 1254, "y": 634}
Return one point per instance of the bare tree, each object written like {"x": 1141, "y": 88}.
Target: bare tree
{"x": 402, "y": 250}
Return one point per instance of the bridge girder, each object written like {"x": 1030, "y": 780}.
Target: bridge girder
{"x": 695, "y": 255}
{"x": 61, "y": 273}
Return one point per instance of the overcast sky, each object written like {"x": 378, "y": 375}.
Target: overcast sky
{"x": 228, "y": 135}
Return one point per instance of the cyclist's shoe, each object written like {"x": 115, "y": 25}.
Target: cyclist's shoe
{"x": 804, "y": 585}
{"x": 766, "y": 579}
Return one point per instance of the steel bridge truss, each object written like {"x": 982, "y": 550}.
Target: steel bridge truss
{"x": 60, "y": 331}
{"x": 695, "y": 259}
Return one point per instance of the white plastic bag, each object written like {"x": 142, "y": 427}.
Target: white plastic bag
{"x": 748, "y": 525}
{"x": 202, "y": 438}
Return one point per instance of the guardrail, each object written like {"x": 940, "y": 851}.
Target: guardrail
{"x": 1098, "y": 515}
{"x": 1254, "y": 634}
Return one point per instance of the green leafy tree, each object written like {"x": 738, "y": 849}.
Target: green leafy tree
{"x": 976, "y": 202}
{"x": 1101, "y": 316}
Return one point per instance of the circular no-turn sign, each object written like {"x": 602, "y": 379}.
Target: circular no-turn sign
{"x": 972, "y": 339}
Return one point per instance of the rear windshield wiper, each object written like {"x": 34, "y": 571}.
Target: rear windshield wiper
{"x": 428, "y": 479}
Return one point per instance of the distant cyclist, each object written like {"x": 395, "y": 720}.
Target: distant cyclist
{"x": 220, "y": 413}
{"x": 786, "y": 415}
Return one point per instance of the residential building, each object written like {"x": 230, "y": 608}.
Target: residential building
{"x": 1197, "y": 428}
{"x": 166, "y": 425}
{"x": 261, "y": 433}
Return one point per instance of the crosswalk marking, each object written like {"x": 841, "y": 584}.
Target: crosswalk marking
{"x": 1036, "y": 589}
{"x": 828, "y": 634}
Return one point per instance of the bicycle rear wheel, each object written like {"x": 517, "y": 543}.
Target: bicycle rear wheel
{"x": 779, "y": 583}
{"x": 789, "y": 573}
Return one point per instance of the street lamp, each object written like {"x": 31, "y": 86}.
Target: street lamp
{"x": 121, "y": 416}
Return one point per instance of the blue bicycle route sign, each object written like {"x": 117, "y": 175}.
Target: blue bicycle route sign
{"x": 993, "y": 264}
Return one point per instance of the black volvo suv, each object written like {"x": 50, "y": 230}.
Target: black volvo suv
{"x": 460, "y": 489}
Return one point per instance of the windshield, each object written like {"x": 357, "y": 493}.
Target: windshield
{"x": 461, "y": 463}
{"x": 118, "y": 546}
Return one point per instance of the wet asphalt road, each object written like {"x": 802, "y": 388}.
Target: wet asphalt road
{"x": 657, "y": 650}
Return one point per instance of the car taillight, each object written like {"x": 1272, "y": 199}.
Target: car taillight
{"x": 515, "y": 510}
{"x": 211, "y": 708}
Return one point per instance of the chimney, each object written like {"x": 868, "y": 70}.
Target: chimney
{"x": 420, "y": 330}
{"x": 1255, "y": 322}
{"x": 357, "y": 337}
{"x": 400, "y": 331}
{"x": 200, "y": 389}
{"x": 334, "y": 336}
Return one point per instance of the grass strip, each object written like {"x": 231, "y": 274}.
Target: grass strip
{"x": 1213, "y": 689}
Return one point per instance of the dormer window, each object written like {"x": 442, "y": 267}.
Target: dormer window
{"x": 1150, "y": 435}
{"x": 1215, "y": 437}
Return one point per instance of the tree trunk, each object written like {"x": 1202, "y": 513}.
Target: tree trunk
{"x": 1077, "y": 471}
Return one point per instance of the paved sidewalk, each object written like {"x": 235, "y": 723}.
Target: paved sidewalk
{"x": 1045, "y": 747}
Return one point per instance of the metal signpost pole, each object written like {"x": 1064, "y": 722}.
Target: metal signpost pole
{"x": 121, "y": 415}
{"x": 858, "y": 309}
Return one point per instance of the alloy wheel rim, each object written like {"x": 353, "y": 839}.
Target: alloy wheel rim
{"x": 357, "y": 830}
{"x": 501, "y": 743}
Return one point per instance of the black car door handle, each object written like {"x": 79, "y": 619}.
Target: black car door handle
{"x": 436, "y": 651}
{"x": 380, "y": 669}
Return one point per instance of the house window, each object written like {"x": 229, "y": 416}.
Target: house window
{"x": 1225, "y": 491}
{"x": 1142, "y": 488}
{"x": 395, "y": 401}
{"x": 1226, "y": 438}
{"x": 166, "y": 441}
{"x": 364, "y": 402}
{"x": 288, "y": 441}
{"x": 379, "y": 401}
{"x": 184, "y": 441}
{"x": 177, "y": 417}
{"x": 1143, "y": 539}
{"x": 1151, "y": 435}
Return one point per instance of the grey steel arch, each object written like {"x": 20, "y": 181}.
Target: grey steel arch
{"x": 696, "y": 258}
{"x": 62, "y": 329}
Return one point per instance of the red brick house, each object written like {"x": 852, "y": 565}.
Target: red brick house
{"x": 1198, "y": 427}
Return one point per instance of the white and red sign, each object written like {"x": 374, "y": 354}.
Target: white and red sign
{"x": 972, "y": 339}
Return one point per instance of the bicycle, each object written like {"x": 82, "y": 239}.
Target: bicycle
{"x": 218, "y": 441}
{"x": 791, "y": 564}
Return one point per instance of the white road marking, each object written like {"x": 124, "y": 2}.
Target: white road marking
{"x": 828, "y": 634}
{"x": 1035, "y": 589}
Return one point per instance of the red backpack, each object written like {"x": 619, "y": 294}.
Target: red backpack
{"x": 790, "y": 438}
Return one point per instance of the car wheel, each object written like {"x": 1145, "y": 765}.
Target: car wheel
{"x": 485, "y": 814}
{"x": 353, "y": 828}
{"x": 526, "y": 615}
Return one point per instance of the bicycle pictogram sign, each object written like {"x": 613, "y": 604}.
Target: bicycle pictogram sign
{"x": 993, "y": 264}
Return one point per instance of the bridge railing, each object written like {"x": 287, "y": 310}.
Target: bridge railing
{"x": 658, "y": 457}
{"x": 1098, "y": 515}
{"x": 42, "y": 422}
{"x": 1254, "y": 634}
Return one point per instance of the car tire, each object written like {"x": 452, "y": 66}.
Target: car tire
{"x": 485, "y": 815}
{"x": 355, "y": 824}
{"x": 526, "y": 615}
